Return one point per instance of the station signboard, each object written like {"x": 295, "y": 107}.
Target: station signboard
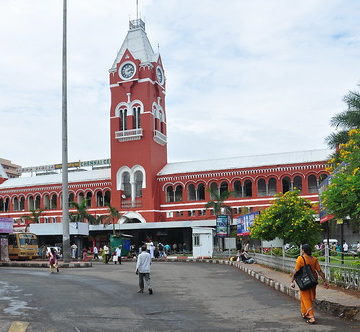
{"x": 245, "y": 222}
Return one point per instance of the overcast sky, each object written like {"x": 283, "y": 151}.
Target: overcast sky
{"x": 243, "y": 77}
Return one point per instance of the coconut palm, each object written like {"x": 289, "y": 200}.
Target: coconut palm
{"x": 217, "y": 203}
{"x": 113, "y": 216}
{"x": 346, "y": 120}
{"x": 34, "y": 217}
{"x": 81, "y": 213}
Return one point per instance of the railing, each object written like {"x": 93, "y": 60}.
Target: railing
{"x": 129, "y": 135}
{"x": 131, "y": 204}
{"x": 343, "y": 275}
{"x": 160, "y": 137}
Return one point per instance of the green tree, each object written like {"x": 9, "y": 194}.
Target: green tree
{"x": 290, "y": 217}
{"x": 81, "y": 211}
{"x": 342, "y": 196}
{"x": 346, "y": 120}
{"x": 217, "y": 202}
{"x": 113, "y": 216}
{"x": 34, "y": 217}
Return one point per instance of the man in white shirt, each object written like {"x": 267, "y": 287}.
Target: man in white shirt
{"x": 106, "y": 251}
{"x": 143, "y": 270}
{"x": 118, "y": 254}
{"x": 96, "y": 253}
{"x": 345, "y": 247}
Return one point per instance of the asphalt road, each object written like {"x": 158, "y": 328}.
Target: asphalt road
{"x": 187, "y": 297}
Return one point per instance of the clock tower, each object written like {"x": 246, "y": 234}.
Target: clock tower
{"x": 137, "y": 126}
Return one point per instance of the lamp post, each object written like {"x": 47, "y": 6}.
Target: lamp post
{"x": 65, "y": 180}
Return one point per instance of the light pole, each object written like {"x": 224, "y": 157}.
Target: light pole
{"x": 65, "y": 180}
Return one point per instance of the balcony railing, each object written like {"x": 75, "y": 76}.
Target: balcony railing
{"x": 160, "y": 137}
{"x": 129, "y": 135}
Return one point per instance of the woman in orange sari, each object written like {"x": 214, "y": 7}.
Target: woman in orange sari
{"x": 307, "y": 296}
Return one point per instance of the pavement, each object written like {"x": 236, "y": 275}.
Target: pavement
{"x": 335, "y": 300}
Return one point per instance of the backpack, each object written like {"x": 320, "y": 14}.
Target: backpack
{"x": 305, "y": 277}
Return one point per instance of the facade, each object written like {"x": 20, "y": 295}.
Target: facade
{"x": 10, "y": 169}
{"x": 157, "y": 199}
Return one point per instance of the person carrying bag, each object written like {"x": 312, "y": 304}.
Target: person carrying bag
{"x": 307, "y": 269}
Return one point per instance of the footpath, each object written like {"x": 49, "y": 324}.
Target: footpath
{"x": 335, "y": 300}
{"x": 43, "y": 263}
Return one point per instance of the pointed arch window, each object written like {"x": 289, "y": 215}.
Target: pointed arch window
{"x": 53, "y": 203}
{"x": 16, "y": 204}
{"x": 136, "y": 117}
{"x": 99, "y": 199}
{"x": 214, "y": 190}
{"x": 312, "y": 184}
{"x": 262, "y": 188}
{"x": 126, "y": 184}
{"x": 272, "y": 187}
{"x": 46, "y": 202}
{"x": 248, "y": 188}
{"x": 123, "y": 118}
{"x": 88, "y": 199}
{"x": 21, "y": 203}
{"x": 2, "y": 204}
{"x": 298, "y": 183}
{"x": 224, "y": 187}
{"x": 31, "y": 203}
{"x": 71, "y": 198}
{"x": 107, "y": 197}
{"x": 286, "y": 184}
{"x": 237, "y": 188}
{"x": 139, "y": 178}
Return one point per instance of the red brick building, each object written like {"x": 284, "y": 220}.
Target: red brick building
{"x": 160, "y": 199}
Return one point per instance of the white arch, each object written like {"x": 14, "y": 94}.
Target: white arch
{"x": 132, "y": 215}
{"x": 119, "y": 106}
{"x": 137, "y": 102}
{"x": 119, "y": 175}
{"x": 142, "y": 170}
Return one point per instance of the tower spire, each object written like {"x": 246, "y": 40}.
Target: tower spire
{"x": 137, "y": 9}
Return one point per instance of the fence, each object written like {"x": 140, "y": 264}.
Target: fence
{"x": 344, "y": 275}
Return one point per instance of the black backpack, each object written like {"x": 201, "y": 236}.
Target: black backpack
{"x": 305, "y": 277}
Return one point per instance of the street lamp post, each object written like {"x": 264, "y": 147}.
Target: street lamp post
{"x": 65, "y": 180}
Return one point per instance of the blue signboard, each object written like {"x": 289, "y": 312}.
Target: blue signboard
{"x": 245, "y": 222}
{"x": 222, "y": 225}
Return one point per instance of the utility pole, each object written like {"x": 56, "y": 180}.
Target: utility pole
{"x": 65, "y": 180}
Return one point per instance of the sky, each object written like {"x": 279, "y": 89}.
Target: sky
{"x": 243, "y": 77}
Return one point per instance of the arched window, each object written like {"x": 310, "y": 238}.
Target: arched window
{"x": 31, "y": 203}
{"x": 224, "y": 187}
{"x": 2, "y": 205}
{"x": 178, "y": 193}
{"x": 88, "y": 199}
{"x": 21, "y": 203}
{"x": 136, "y": 117}
{"x": 81, "y": 197}
{"x": 138, "y": 183}
{"x": 7, "y": 204}
{"x": 191, "y": 192}
{"x": 71, "y": 198}
{"x": 99, "y": 199}
{"x": 201, "y": 192}
{"x": 262, "y": 188}
{"x": 237, "y": 189}
{"x": 272, "y": 187}
{"x": 16, "y": 204}
{"x": 161, "y": 120}
{"x": 322, "y": 177}
{"x": 247, "y": 188}
{"x": 126, "y": 184}
{"x": 312, "y": 184}
{"x": 169, "y": 194}
{"x": 298, "y": 183}
{"x": 37, "y": 202}
{"x": 107, "y": 197}
{"x": 123, "y": 118}
{"x": 53, "y": 201}
{"x": 286, "y": 184}
{"x": 213, "y": 190}
{"x": 46, "y": 202}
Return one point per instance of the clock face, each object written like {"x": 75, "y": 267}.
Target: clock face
{"x": 127, "y": 70}
{"x": 159, "y": 75}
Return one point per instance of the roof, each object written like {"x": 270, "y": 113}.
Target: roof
{"x": 94, "y": 175}
{"x": 284, "y": 158}
{"x": 2, "y": 172}
{"x": 137, "y": 42}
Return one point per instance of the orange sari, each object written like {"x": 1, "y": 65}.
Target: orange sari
{"x": 307, "y": 296}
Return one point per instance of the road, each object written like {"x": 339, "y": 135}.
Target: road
{"x": 187, "y": 297}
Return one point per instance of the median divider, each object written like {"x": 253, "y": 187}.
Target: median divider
{"x": 43, "y": 264}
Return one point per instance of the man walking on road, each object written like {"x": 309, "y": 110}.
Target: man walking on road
{"x": 143, "y": 270}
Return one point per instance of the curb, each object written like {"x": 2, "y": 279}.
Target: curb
{"x": 46, "y": 264}
{"x": 335, "y": 309}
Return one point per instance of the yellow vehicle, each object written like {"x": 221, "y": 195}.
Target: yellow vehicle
{"x": 23, "y": 246}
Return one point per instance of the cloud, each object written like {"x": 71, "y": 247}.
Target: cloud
{"x": 243, "y": 77}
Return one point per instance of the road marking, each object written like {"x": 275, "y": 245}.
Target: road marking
{"x": 18, "y": 327}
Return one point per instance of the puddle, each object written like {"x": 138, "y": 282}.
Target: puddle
{"x": 14, "y": 305}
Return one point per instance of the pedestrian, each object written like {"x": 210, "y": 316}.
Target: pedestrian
{"x": 307, "y": 296}
{"x": 53, "y": 261}
{"x": 106, "y": 252}
{"x": 114, "y": 257}
{"x": 143, "y": 270}
{"x": 73, "y": 251}
{"x": 358, "y": 248}
{"x": 84, "y": 255}
{"x": 247, "y": 246}
{"x": 345, "y": 247}
{"x": 118, "y": 253}
{"x": 96, "y": 253}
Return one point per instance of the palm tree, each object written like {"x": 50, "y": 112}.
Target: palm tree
{"x": 346, "y": 120}
{"x": 217, "y": 203}
{"x": 81, "y": 213}
{"x": 113, "y": 215}
{"x": 34, "y": 217}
